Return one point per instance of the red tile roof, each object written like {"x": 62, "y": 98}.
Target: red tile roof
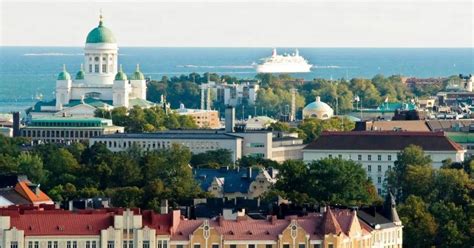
{"x": 382, "y": 140}
{"x": 61, "y": 223}
{"x": 23, "y": 188}
{"x": 330, "y": 224}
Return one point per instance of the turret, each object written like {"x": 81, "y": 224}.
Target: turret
{"x": 138, "y": 83}
{"x": 63, "y": 88}
{"x": 80, "y": 74}
{"x": 391, "y": 210}
{"x": 121, "y": 89}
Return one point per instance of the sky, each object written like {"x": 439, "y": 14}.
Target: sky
{"x": 346, "y": 23}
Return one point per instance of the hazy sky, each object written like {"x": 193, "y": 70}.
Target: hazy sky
{"x": 416, "y": 23}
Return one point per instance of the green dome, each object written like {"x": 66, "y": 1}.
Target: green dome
{"x": 64, "y": 75}
{"x": 137, "y": 75}
{"x": 120, "y": 76}
{"x": 100, "y": 34}
{"x": 80, "y": 74}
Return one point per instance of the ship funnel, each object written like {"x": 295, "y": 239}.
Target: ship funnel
{"x": 274, "y": 52}
{"x": 297, "y": 53}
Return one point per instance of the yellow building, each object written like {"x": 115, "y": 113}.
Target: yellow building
{"x": 118, "y": 228}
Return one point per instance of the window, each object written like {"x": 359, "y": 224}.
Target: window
{"x": 104, "y": 68}
{"x": 389, "y": 167}
{"x": 359, "y": 157}
{"x": 286, "y": 246}
{"x": 233, "y": 246}
{"x": 330, "y": 156}
{"x": 369, "y": 168}
{"x": 317, "y": 246}
{"x": 330, "y": 246}
{"x": 251, "y": 246}
{"x": 215, "y": 246}
{"x": 124, "y": 244}
{"x": 14, "y": 244}
{"x": 110, "y": 244}
{"x": 90, "y": 68}
{"x": 94, "y": 244}
{"x": 339, "y": 156}
{"x": 379, "y": 191}
{"x": 379, "y": 157}
{"x": 30, "y": 244}
{"x": 68, "y": 244}
{"x": 369, "y": 157}
{"x": 379, "y": 168}
{"x": 36, "y": 244}
{"x": 88, "y": 244}
{"x": 197, "y": 246}
{"x": 301, "y": 246}
{"x": 74, "y": 244}
{"x": 50, "y": 244}
{"x": 96, "y": 68}
{"x": 268, "y": 246}
{"x": 165, "y": 243}
{"x": 379, "y": 179}
{"x": 55, "y": 244}
{"x": 146, "y": 244}
{"x": 389, "y": 157}
{"x": 257, "y": 145}
{"x": 181, "y": 246}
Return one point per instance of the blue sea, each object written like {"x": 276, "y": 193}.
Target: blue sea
{"x": 26, "y": 72}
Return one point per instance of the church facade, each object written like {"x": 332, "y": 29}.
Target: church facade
{"x": 100, "y": 82}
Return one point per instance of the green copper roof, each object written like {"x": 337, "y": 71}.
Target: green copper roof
{"x": 120, "y": 76}
{"x": 64, "y": 75}
{"x": 137, "y": 75}
{"x": 80, "y": 74}
{"x": 100, "y": 34}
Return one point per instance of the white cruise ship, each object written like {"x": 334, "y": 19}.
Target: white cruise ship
{"x": 283, "y": 63}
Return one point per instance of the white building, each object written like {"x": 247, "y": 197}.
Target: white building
{"x": 260, "y": 144}
{"x": 229, "y": 94}
{"x": 318, "y": 109}
{"x": 100, "y": 82}
{"x": 377, "y": 151}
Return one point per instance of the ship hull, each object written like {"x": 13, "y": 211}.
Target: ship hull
{"x": 283, "y": 68}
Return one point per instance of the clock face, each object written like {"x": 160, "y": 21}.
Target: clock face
{"x": 293, "y": 228}
{"x": 206, "y": 228}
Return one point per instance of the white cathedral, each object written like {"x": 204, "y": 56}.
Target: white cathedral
{"x": 100, "y": 83}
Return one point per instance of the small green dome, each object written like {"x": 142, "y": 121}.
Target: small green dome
{"x": 80, "y": 74}
{"x": 100, "y": 34}
{"x": 64, "y": 75}
{"x": 120, "y": 76}
{"x": 137, "y": 75}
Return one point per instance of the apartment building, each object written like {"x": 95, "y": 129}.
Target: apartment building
{"x": 118, "y": 228}
{"x": 377, "y": 150}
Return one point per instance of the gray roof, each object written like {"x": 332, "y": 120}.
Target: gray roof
{"x": 175, "y": 134}
{"x": 235, "y": 180}
{"x": 14, "y": 197}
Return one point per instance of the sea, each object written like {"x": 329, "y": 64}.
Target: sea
{"x": 29, "y": 73}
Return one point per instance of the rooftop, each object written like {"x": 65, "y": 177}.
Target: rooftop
{"x": 173, "y": 134}
{"x": 383, "y": 140}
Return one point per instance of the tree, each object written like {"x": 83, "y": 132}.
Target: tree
{"x": 31, "y": 165}
{"x": 212, "y": 159}
{"x": 126, "y": 197}
{"x": 419, "y": 225}
{"x": 313, "y": 127}
{"x": 396, "y": 179}
{"x": 326, "y": 181}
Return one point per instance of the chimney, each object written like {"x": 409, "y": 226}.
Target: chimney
{"x": 273, "y": 219}
{"x": 322, "y": 209}
{"x": 164, "y": 206}
{"x": 16, "y": 124}
{"x": 229, "y": 119}
{"x": 37, "y": 190}
{"x": 249, "y": 172}
{"x": 360, "y": 126}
